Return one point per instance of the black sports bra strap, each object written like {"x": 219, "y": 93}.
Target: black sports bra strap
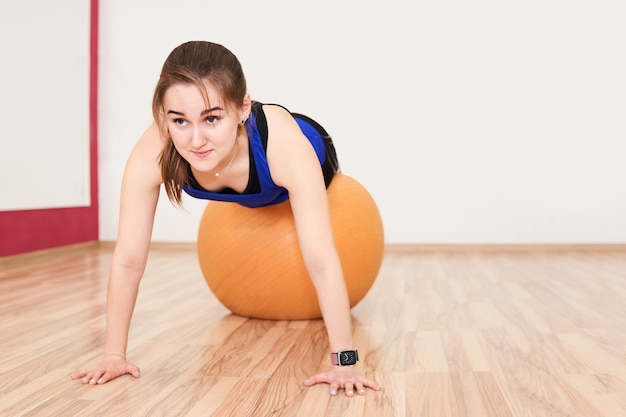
{"x": 261, "y": 122}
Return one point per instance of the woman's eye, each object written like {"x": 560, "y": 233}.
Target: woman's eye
{"x": 211, "y": 119}
{"x": 180, "y": 122}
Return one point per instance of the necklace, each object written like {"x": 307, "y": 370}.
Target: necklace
{"x": 217, "y": 173}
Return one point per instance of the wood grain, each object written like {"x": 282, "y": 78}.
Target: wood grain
{"x": 462, "y": 332}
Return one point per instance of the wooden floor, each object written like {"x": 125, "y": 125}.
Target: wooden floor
{"x": 446, "y": 334}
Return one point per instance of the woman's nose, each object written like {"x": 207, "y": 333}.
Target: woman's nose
{"x": 198, "y": 138}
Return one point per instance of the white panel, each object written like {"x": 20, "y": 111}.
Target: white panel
{"x": 44, "y": 110}
{"x": 469, "y": 122}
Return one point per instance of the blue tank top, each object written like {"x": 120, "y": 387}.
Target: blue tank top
{"x": 269, "y": 193}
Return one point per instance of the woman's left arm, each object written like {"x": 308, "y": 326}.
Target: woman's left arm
{"x": 294, "y": 166}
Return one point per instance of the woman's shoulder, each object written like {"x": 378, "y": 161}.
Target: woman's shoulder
{"x": 271, "y": 108}
{"x": 279, "y": 119}
{"x": 145, "y": 156}
{"x": 152, "y": 137}
{"x": 150, "y": 143}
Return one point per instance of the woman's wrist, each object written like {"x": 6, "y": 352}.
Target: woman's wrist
{"x": 117, "y": 355}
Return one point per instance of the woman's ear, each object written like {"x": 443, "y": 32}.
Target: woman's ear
{"x": 246, "y": 107}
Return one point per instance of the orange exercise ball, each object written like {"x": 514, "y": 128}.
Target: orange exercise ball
{"x": 251, "y": 259}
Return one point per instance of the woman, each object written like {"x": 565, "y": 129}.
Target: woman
{"x": 210, "y": 140}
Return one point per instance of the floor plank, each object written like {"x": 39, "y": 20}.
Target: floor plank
{"x": 459, "y": 333}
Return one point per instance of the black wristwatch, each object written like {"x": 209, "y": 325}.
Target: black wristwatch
{"x": 345, "y": 358}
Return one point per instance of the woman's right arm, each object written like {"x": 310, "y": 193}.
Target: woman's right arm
{"x": 138, "y": 200}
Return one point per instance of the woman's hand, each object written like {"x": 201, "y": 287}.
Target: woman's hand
{"x": 346, "y": 378}
{"x": 110, "y": 368}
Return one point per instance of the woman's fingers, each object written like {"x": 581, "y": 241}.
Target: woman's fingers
{"x": 316, "y": 379}
{"x": 87, "y": 376}
{"x": 349, "y": 379}
{"x": 134, "y": 371}
{"x": 79, "y": 374}
{"x": 95, "y": 376}
{"x": 106, "y": 371}
{"x": 348, "y": 388}
{"x": 372, "y": 385}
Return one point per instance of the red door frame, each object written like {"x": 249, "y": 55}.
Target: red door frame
{"x": 29, "y": 230}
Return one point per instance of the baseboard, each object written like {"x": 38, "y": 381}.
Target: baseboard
{"x": 390, "y": 248}
{"x": 107, "y": 244}
{"x": 450, "y": 247}
{"x": 503, "y": 247}
{"x": 34, "y": 256}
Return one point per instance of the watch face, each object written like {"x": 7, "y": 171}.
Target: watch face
{"x": 348, "y": 357}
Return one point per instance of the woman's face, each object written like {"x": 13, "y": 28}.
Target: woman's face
{"x": 205, "y": 137}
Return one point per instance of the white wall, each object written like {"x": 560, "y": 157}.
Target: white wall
{"x": 469, "y": 122}
{"x": 44, "y": 105}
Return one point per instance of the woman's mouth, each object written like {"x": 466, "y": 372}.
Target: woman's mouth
{"x": 201, "y": 154}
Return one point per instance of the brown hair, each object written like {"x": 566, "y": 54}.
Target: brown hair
{"x": 193, "y": 63}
